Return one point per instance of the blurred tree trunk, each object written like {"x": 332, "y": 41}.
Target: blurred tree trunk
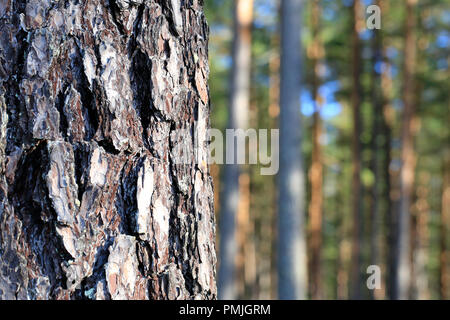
{"x": 376, "y": 162}
{"x": 344, "y": 258}
{"x": 420, "y": 286}
{"x": 316, "y": 52}
{"x": 445, "y": 229}
{"x": 390, "y": 193}
{"x": 292, "y": 261}
{"x": 421, "y": 210}
{"x": 403, "y": 254}
{"x": 388, "y": 119}
{"x": 97, "y": 199}
{"x": 358, "y": 25}
{"x": 270, "y": 228}
{"x": 245, "y": 229}
{"x": 238, "y": 118}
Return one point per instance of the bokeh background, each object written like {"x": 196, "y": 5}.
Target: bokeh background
{"x": 414, "y": 36}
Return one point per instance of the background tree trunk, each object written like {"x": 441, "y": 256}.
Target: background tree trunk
{"x": 237, "y": 119}
{"x": 358, "y": 25}
{"x": 420, "y": 283}
{"x": 390, "y": 193}
{"x": 292, "y": 261}
{"x": 268, "y": 280}
{"x": 376, "y": 161}
{"x": 97, "y": 198}
{"x": 316, "y": 171}
{"x": 444, "y": 254}
{"x": 403, "y": 271}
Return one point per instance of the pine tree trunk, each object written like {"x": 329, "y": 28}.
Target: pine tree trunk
{"x": 292, "y": 261}
{"x": 420, "y": 284}
{"x": 102, "y": 196}
{"x": 376, "y": 161}
{"x": 237, "y": 119}
{"x": 403, "y": 267}
{"x": 444, "y": 264}
{"x": 316, "y": 172}
{"x": 357, "y": 10}
{"x": 389, "y": 178}
{"x": 268, "y": 226}
{"x": 420, "y": 212}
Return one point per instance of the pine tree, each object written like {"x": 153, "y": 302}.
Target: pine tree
{"x": 292, "y": 269}
{"x": 238, "y": 119}
{"x": 403, "y": 267}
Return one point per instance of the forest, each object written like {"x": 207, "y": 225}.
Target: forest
{"x": 375, "y": 145}
{"x": 224, "y": 149}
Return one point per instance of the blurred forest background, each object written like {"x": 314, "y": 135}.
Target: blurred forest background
{"x": 375, "y": 144}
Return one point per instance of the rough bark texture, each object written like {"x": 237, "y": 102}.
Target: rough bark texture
{"x": 292, "y": 256}
{"x": 93, "y": 202}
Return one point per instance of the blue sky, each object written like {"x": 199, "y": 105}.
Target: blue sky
{"x": 330, "y": 108}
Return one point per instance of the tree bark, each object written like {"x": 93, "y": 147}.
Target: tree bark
{"x": 102, "y": 194}
{"x": 292, "y": 261}
{"x": 403, "y": 267}
{"x": 237, "y": 119}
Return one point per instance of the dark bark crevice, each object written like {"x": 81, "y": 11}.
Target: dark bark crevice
{"x": 89, "y": 99}
{"x": 140, "y": 75}
{"x": 59, "y": 104}
{"x": 38, "y": 217}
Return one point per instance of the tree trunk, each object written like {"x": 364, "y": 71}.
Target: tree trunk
{"x": 292, "y": 269}
{"x": 316, "y": 173}
{"x": 376, "y": 165}
{"x": 245, "y": 256}
{"x": 344, "y": 247}
{"x": 420, "y": 212}
{"x": 420, "y": 287}
{"x": 403, "y": 267}
{"x": 389, "y": 191}
{"x": 103, "y": 195}
{"x": 356, "y": 150}
{"x": 444, "y": 265}
{"x": 268, "y": 274}
{"x": 237, "y": 119}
